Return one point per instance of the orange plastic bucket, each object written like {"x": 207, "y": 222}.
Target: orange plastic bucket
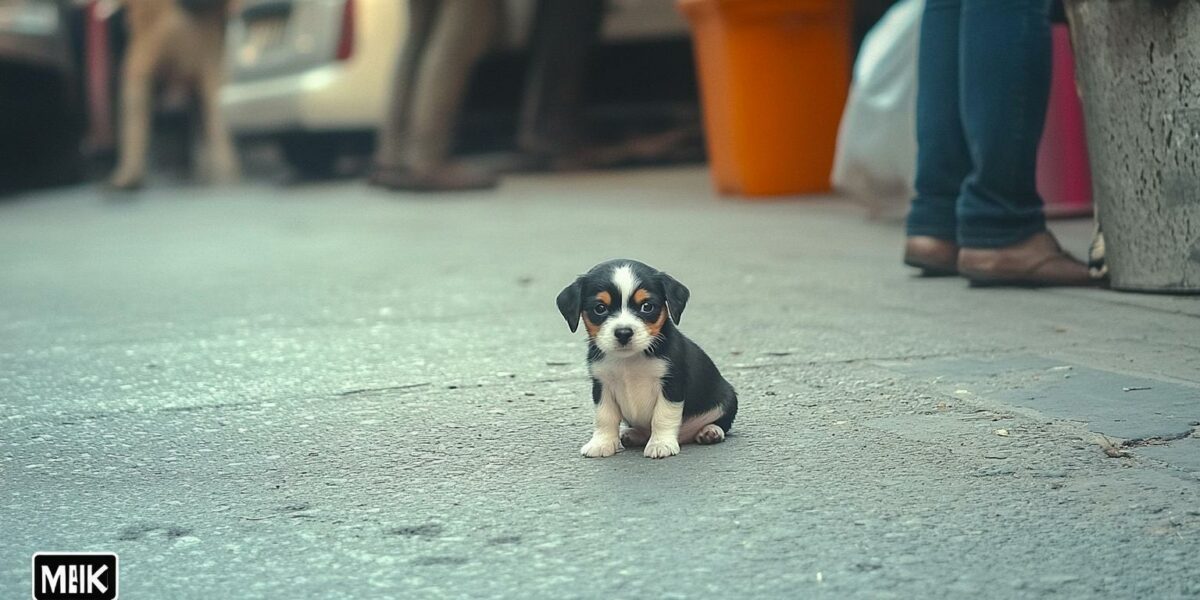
{"x": 773, "y": 80}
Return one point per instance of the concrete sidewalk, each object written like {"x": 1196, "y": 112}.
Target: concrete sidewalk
{"x": 332, "y": 392}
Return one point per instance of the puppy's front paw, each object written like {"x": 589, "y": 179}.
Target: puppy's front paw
{"x": 661, "y": 448}
{"x": 600, "y": 447}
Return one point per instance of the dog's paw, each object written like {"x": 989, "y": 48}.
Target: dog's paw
{"x": 710, "y": 434}
{"x": 600, "y": 447}
{"x": 632, "y": 437}
{"x": 660, "y": 448}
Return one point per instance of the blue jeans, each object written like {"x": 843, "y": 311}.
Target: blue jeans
{"x": 983, "y": 85}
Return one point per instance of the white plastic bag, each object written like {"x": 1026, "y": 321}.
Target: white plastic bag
{"x": 875, "y": 161}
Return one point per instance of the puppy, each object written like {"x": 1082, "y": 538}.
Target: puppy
{"x": 645, "y": 372}
{"x": 183, "y": 40}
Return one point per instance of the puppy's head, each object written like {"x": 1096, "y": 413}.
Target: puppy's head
{"x": 624, "y": 305}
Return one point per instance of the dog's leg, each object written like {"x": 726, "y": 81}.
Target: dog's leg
{"x": 142, "y": 58}
{"x": 664, "y": 429}
{"x": 691, "y": 429}
{"x": 222, "y": 154}
{"x": 606, "y": 439}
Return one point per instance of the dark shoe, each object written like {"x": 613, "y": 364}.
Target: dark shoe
{"x": 445, "y": 178}
{"x": 1036, "y": 262}
{"x": 933, "y": 256}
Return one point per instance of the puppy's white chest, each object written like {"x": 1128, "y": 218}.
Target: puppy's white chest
{"x": 635, "y": 383}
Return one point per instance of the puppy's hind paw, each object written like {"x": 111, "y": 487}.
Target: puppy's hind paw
{"x": 710, "y": 434}
{"x": 661, "y": 448}
{"x": 600, "y": 447}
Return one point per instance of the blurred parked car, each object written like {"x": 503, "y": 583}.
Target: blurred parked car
{"x": 314, "y": 74}
{"x": 41, "y": 119}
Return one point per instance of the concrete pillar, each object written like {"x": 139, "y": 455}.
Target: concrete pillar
{"x": 1138, "y": 72}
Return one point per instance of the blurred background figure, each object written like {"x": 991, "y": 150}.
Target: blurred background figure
{"x": 552, "y": 129}
{"x": 558, "y": 85}
{"x": 309, "y": 84}
{"x": 185, "y": 43}
{"x": 550, "y": 122}
{"x": 446, "y": 38}
{"x": 983, "y": 86}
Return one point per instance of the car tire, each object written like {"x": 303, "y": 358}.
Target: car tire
{"x": 311, "y": 156}
{"x": 41, "y": 129}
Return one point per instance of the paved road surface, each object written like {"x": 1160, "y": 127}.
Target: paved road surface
{"x": 331, "y": 392}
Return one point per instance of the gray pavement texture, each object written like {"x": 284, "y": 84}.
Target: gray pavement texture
{"x": 327, "y": 391}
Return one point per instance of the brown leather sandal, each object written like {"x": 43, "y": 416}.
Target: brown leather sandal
{"x": 1039, "y": 261}
{"x": 933, "y": 256}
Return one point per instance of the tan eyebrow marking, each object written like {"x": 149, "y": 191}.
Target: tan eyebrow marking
{"x": 592, "y": 328}
{"x": 640, "y": 296}
{"x": 656, "y": 327}
{"x": 604, "y": 297}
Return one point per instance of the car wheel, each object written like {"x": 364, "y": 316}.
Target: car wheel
{"x": 41, "y": 130}
{"x": 311, "y": 156}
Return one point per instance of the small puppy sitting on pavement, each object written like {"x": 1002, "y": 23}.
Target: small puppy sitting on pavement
{"x": 645, "y": 372}
{"x": 183, "y": 41}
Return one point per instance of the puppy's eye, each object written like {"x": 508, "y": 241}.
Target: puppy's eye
{"x": 600, "y": 309}
{"x": 648, "y": 307}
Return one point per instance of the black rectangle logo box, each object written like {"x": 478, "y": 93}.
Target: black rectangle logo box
{"x": 75, "y": 576}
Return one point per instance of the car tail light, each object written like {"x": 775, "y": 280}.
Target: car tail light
{"x": 345, "y": 47}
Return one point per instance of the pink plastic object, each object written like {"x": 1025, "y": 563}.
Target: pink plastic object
{"x": 1064, "y": 178}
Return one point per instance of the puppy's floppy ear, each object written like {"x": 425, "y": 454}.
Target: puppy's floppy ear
{"x": 677, "y": 296}
{"x": 570, "y": 303}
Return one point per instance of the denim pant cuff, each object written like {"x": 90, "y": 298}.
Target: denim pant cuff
{"x": 998, "y": 235}
{"x": 933, "y": 217}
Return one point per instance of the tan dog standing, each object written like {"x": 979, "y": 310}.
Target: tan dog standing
{"x": 183, "y": 41}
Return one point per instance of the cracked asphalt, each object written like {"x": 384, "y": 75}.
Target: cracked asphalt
{"x": 326, "y": 391}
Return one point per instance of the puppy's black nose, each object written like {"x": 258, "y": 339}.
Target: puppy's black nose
{"x": 623, "y": 335}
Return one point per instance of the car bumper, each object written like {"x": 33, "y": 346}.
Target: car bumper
{"x": 326, "y": 98}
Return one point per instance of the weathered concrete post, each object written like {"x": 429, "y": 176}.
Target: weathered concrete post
{"x": 1138, "y": 72}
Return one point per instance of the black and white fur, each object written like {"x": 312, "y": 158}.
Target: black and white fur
{"x": 645, "y": 372}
